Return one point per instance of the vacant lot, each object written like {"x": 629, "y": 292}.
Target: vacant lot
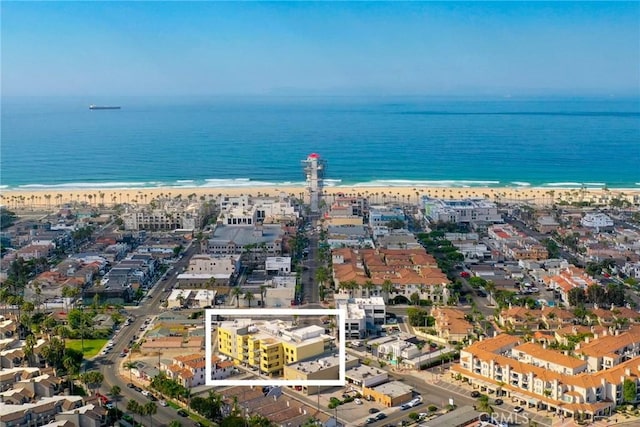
{"x": 91, "y": 347}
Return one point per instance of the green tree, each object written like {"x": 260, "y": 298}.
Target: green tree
{"x": 387, "y": 288}
{"x": 92, "y": 379}
{"x": 629, "y": 391}
{"x": 249, "y": 296}
{"x": 115, "y": 394}
{"x": 150, "y": 409}
{"x": 237, "y": 292}
{"x": 134, "y": 407}
{"x": 483, "y": 404}
{"x": 577, "y": 297}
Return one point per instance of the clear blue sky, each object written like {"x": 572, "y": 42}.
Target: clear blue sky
{"x": 176, "y": 48}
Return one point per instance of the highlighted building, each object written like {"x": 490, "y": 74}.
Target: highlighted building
{"x": 270, "y": 345}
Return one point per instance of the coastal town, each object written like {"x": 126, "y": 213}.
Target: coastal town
{"x": 481, "y": 308}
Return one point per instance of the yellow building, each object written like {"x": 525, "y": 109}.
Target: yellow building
{"x": 270, "y": 345}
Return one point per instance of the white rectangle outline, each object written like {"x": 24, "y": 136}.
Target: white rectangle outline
{"x": 248, "y": 312}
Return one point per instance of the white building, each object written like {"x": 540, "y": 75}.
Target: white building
{"x": 460, "y": 210}
{"x": 278, "y": 265}
{"x": 597, "y": 221}
{"x": 381, "y": 215}
{"x": 220, "y": 266}
{"x": 398, "y": 349}
{"x": 171, "y": 215}
{"x": 195, "y": 298}
{"x": 366, "y": 376}
{"x": 364, "y": 315}
{"x": 314, "y": 171}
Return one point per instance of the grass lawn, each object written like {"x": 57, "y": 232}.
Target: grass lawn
{"x": 91, "y": 347}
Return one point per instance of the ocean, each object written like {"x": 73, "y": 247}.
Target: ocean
{"x": 57, "y": 142}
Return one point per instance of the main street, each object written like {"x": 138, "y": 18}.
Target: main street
{"x": 108, "y": 364}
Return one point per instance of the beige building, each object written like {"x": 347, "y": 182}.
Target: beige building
{"x": 451, "y": 324}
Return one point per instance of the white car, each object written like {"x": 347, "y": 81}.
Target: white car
{"x": 162, "y": 402}
{"x": 145, "y": 392}
{"x": 357, "y": 401}
{"x": 518, "y": 409}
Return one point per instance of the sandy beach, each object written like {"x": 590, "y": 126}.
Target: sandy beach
{"x": 52, "y": 198}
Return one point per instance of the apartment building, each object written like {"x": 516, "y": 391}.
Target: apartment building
{"x": 187, "y": 370}
{"x": 517, "y": 245}
{"x": 366, "y": 272}
{"x": 460, "y": 210}
{"x": 568, "y": 278}
{"x": 587, "y": 381}
{"x": 270, "y": 345}
{"x": 169, "y": 215}
{"x": 599, "y": 221}
{"x": 381, "y": 215}
{"x": 451, "y": 324}
{"x": 365, "y": 316}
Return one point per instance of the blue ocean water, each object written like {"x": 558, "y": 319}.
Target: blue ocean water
{"x": 204, "y": 141}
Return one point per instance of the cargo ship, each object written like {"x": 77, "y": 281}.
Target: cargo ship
{"x": 98, "y": 107}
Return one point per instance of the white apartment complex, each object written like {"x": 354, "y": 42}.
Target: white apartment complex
{"x": 460, "y": 210}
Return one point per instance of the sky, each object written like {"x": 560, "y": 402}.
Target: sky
{"x": 320, "y": 48}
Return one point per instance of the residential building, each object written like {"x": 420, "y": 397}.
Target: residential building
{"x": 599, "y": 221}
{"x": 187, "y": 370}
{"x": 191, "y": 298}
{"x": 588, "y": 381}
{"x": 382, "y": 215}
{"x": 170, "y": 214}
{"x": 451, "y": 325}
{"x": 460, "y": 210}
{"x": 365, "y": 272}
{"x": 270, "y": 345}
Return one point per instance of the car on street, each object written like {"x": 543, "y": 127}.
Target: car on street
{"x": 498, "y": 401}
{"x": 357, "y": 401}
{"x": 380, "y": 416}
{"x": 370, "y": 420}
{"x": 123, "y": 354}
{"x": 130, "y": 385}
{"x": 182, "y": 413}
{"x": 138, "y": 389}
{"x": 475, "y": 394}
{"x": 518, "y": 409}
{"x": 162, "y": 402}
{"x": 374, "y": 410}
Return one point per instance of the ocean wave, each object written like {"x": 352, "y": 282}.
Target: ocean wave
{"x": 414, "y": 183}
{"x": 521, "y": 183}
{"x": 84, "y": 185}
{"x": 562, "y": 184}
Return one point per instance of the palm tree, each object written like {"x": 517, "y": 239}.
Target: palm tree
{"x": 263, "y": 291}
{"x": 248, "y": 296}
{"x": 368, "y": 285}
{"x": 130, "y": 366}
{"x": 237, "y": 292}
{"x": 115, "y": 394}
{"x": 387, "y": 288}
{"x": 150, "y": 408}
{"x": 134, "y": 407}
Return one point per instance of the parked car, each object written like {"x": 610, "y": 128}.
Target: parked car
{"x": 475, "y": 394}
{"x": 182, "y": 413}
{"x": 380, "y": 416}
{"x": 138, "y": 389}
{"x": 498, "y": 401}
{"x": 162, "y": 402}
{"x": 370, "y": 420}
{"x": 518, "y": 409}
{"x": 145, "y": 393}
{"x": 357, "y": 401}
{"x": 374, "y": 410}
{"x": 130, "y": 385}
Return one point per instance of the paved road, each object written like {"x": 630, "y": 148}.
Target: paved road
{"x": 108, "y": 364}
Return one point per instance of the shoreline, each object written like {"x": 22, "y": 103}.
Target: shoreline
{"x": 409, "y": 194}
